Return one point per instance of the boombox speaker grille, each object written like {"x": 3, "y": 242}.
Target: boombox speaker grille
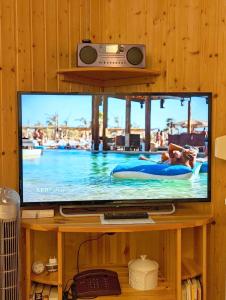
{"x": 88, "y": 55}
{"x": 134, "y": 56}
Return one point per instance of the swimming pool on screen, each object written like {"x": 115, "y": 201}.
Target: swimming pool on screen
{"x": 75, "y": 175}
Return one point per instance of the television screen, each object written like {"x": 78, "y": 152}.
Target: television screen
{"x": 119, "y": 148}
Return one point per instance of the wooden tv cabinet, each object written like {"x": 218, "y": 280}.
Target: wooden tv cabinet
{"x": 177, "y": 242}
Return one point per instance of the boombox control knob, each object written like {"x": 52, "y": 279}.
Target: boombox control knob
{"x": 121, "y": 49}
{"x": 134, "y": 56}
{"x": 88, "y": 55}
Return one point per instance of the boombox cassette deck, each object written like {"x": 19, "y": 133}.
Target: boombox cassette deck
{"x": 111, "y": 55}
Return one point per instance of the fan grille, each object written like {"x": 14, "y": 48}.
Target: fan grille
{"x": 9, "y": 260}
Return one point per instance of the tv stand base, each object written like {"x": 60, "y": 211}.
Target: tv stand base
{"x": 68, "y": 211}
{"x": 163, "y": 211}
{"x": 75, "y": 211}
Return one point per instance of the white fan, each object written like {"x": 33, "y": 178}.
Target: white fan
{"x": 9, "y": 228}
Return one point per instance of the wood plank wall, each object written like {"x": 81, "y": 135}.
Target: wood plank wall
{"x": 185, "y": 39}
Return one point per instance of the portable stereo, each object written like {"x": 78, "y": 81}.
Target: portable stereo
{"x": 111, "y": 55}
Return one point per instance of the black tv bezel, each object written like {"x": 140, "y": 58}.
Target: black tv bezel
{"x": 114, "y": 203}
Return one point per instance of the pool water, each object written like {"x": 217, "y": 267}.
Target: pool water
{"x": 69, "y": 175}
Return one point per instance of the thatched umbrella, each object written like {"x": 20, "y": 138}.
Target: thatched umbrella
{"x": 193, "y": 123}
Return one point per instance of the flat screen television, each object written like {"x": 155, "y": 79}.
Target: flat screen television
{"x": 114, "y": 149}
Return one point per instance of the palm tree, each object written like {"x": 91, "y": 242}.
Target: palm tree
{"x": 38, "y": 123}
{"x": 83, "y": 122}
{"x": 116, "y": 119}
{"x": 101, "y": 117}
{"x": 53, "y": 120}
{"x": 170, "y": 123}
{"x": 65, "y": 133}
{"x": 135, "y": 125}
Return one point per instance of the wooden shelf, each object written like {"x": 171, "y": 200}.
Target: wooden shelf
{"x": 49, "y": 278}
{"x": 190, "y": 269}
{"x": 108, "y": 77}
{"x": 162, "y": 292}
{"x": 115, "y": 252}
{"x": 93, "y": 224}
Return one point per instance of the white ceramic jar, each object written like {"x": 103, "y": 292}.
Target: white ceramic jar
{"x": 143, "y": 273}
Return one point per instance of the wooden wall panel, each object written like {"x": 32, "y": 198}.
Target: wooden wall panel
{"x": 85, "y": 22}
{"x": 85, "y": 16}
{"x": 9, "y": 101}
{"x": 51, "y": 45}
{"x": 208, "y": 46}
{"x": 96, "y": 21}
{"x": 135, "y": 30}
{"x": 38, "y": 45}
{"x": 183, "y": 45}
{"x": 117, "y": 249}
{"x": 115, "y": 31}
{"x": 173, "y": 58}
{"x": 23, "y": 39}
{"x": 219, "y": 180}
{"x": 146, "y": 29}
{"x": 156, "y": 34}
{"x": 1, "y": 102}
{"x": 185, "y": 39}
{"x": 188, "y": 41}
{"x": 63, "y": 39}
{"x": 74, "y": 32}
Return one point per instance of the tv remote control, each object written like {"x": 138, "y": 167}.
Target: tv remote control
{"x": 125, "y": 215}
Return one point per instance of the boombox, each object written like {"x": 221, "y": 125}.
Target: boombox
{"x": 111, "y": 55}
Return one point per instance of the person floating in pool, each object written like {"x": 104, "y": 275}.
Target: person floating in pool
{"x": 177, "y": 155}
{"x": 205, "y": 133}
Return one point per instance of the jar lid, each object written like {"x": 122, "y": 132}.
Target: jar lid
{"x": 143, "y": 264}
{"x": 52, "y": 261}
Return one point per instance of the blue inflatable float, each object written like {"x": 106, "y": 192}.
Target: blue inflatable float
{"x": 204, "y": 167}
{"x": 147, "y": 170}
